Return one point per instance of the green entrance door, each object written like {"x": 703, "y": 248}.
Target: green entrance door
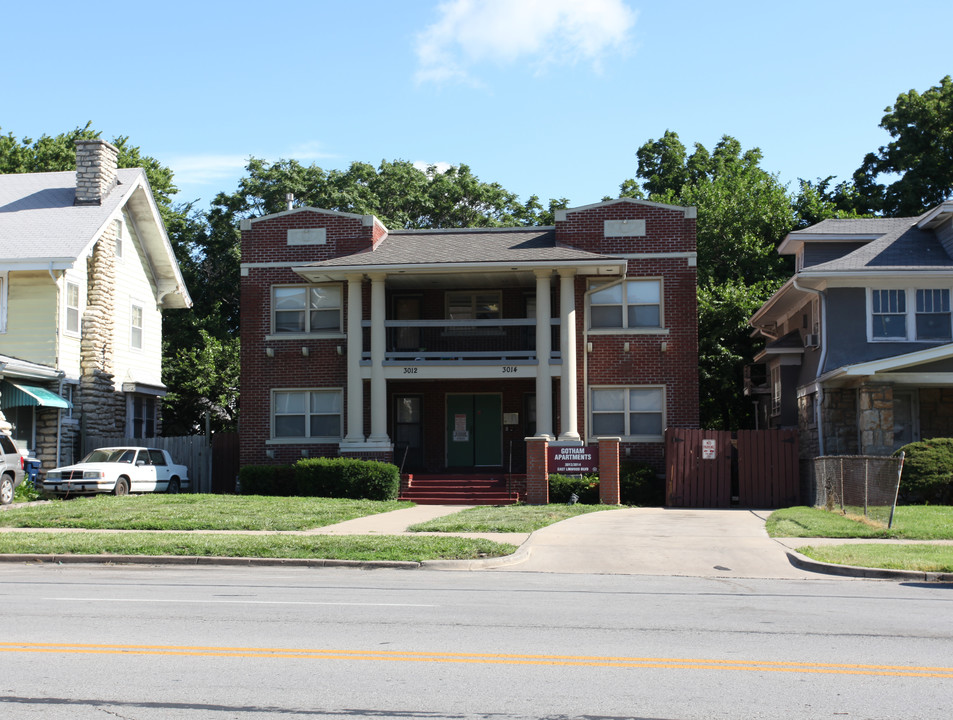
{"x": 474, "y": 431}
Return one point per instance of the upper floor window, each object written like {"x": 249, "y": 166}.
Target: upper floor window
{"x": 119, "y": 227}
{"x": 72, "y": 308}
{"x": 473, "y": 305}
{"x": 307, "y": 414}
{"x": 135, "y": 330}
{"x": 910, "y": 314}
{"x": 630, "y": 304}
{"x": 307, "y": 309}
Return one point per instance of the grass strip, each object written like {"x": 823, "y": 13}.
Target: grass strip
{"x": 347, "y": 547}
{"x": 924, "y": 558}
{"x": 508, "y": 518}
{"x": 911, "y": 522}
{"x": 193, "y": 512}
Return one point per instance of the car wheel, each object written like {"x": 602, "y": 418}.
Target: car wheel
{"x": 6, "y": 490}
{"x": 173, "y": 488}
{"x": 122, "y": 487}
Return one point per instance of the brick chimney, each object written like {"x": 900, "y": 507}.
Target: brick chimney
{"x": 96, "y": 164}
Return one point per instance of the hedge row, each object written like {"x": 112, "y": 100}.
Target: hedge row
{"x": 927, "y": 475}
{"x": 638, "y": 485}
{"x": 323, "y": 477}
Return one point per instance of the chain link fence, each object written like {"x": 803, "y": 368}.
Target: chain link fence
{"x": 859, "y": 485}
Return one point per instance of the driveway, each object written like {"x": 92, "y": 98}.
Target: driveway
{"x": 660, "y": 541}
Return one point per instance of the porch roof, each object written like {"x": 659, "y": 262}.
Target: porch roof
{"x": 481, "y": 249}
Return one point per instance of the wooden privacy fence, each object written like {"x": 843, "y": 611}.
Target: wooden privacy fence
{"x": 710, "y": 469}
{"x": 190, "y": 450}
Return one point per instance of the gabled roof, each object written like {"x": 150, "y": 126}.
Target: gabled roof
{"x": 904, "y": 248}
{"x": 41, "y": 228}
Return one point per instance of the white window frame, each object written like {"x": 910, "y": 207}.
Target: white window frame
{"x": 307, "y": 332}
{"x": 775, "y": 390}
{"x": 472, "y": 294}
{"x": 627, "y": 411}
{"x": 910, "y": 297}
{"x": 276, "y": 439}
{"x": 597, "y": 285}
{"x": 78, "y": 308}
{"x": 119, "y": 239}
{"x": 134, "y": 329}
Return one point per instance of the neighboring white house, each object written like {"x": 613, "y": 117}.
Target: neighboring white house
{"x": 86, "y": 269}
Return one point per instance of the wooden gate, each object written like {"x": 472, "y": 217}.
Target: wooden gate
{"x": 708, "y": 469}
{"x": 224, "y": 462}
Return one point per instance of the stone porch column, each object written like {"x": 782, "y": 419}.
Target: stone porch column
{"x": 544, "y": 344}
{"x": 355, "y": 347}
{"x": 378, "y": 346}
{"x": 567, "y": 343}
{"x": 875, "y": 418}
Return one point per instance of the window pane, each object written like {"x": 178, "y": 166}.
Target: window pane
{"x": 325, "y": 319}
{"x": 289, "y": 321}
{"x": 460, "y": 306}
{"x": 325, "y": 297}
{"x": 645, "y": 424}
{"x": 889, "y": 326}
{"x": 933, "y": 326}
{"x": 325, "y": 426}
{"x": 325, "y": 402}
{"x": 605, "y": 316}
{"x": 608, "y": 399}
{"x": 610, "y": 295}
{"x": 645, "y": 399}
{"x": 644, "y": 316}
{"x": 289, "y": 426}
{"x": 612, "y": 424}
{"x": 289, "y": 402}
{"x": 408, "y": 410}
{"x": 643, "y": 291}
{"x": 487, "y": 306}
{"x": 290, "y": 298}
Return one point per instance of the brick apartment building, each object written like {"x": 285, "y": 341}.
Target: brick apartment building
{"x": 442, "y": 350}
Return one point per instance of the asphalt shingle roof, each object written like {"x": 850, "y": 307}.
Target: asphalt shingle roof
{"x": 38, "y": 218}
{"x": 509, "y": 245}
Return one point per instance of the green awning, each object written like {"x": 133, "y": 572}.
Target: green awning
{"x": 17, "y": 395}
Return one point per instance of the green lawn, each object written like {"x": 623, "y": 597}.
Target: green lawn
{"x": 924, "y": 558}
{"x": 508, "y": 518}
{"x": 911, "y": 522}
{"x": 339, "y": 547}
{"x": 193, "y": 512}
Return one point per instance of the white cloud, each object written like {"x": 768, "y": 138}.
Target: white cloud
{"x": 206, "y": 169}
{"x": 537, "y": 32}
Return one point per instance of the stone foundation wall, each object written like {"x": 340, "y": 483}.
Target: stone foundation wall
{"x": 839, "y": 418}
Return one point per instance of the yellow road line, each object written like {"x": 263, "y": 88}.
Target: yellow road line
{"x": 486, "y": 659}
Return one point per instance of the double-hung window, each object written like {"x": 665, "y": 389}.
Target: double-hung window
{"x": 473, "y": 305}
{"x": 633, "y": 304}
{"x": 135, "y": 327}
{"x": 307, "y": 309}
{"x": 921, "y": 314}
{"x": 628, "y": 412}
{"x": 72, "y": 308}
{"x": 307, "y": 414}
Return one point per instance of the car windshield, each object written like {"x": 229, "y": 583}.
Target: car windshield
{"x": 110, "y": 455}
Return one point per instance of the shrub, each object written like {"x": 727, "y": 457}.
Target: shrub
{"x": 347, "y": 478}
{"x": 586, "y": 488}
{"x": 638, "y": 485}
{"x": 266, "y": 480}
{"x": 927, "y": 475}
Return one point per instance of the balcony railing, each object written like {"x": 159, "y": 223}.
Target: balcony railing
{"x": 456, "y": 340}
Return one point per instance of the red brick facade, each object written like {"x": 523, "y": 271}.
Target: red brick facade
{"x": 664, "y": 358}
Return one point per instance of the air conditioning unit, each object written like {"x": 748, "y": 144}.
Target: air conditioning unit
{"x": 812, "y": 340}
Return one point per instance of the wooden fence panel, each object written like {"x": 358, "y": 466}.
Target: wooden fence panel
{"x": 190, "y": 450}
{"x": 692, "y": 480}
{"x": 768, "y": 468}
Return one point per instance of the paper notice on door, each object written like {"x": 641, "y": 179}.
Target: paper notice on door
{"x": 460, "y": 433}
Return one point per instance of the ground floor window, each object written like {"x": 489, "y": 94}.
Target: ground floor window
{"x": 144, "y": 416}
{"x": 307, "y": 414}
{"x": 633, "y": 413}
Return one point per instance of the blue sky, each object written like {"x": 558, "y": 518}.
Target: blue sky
{"x": 545, "y": 97}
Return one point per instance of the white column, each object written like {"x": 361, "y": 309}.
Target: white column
{"x": 355, "y": 347}
{"x": 378, "y": 343}
{"x": 567, "y": 345}
{"x": 544, "y": 343}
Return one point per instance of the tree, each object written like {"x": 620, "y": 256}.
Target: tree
{"x": 921, "y": 153}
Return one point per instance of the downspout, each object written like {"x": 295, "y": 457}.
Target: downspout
{"x": 818, "y": 415}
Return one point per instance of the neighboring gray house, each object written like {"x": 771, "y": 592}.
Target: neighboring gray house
{"x": 859, "y": 343}
{"x": 86, "y": 269}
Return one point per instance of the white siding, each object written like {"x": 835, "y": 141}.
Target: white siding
{"x": 31, "y": 318}
{"x": 134, "y": 285}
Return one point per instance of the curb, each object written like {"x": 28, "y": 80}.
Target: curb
{"x": 805, "y": 563}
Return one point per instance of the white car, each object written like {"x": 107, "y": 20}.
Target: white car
{"x": 120, "y": 471}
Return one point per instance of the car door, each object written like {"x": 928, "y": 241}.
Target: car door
{"x": 162, "y": 469}
{"x": 144, "y": 475}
